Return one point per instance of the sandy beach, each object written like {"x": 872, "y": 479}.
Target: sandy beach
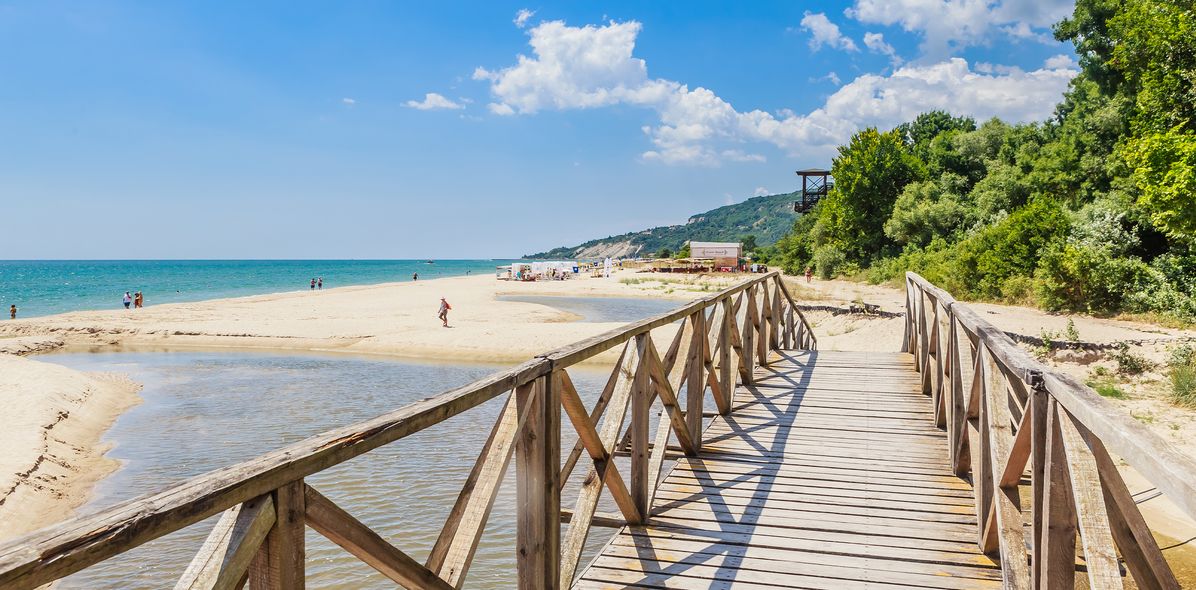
{"x": 399, "y": 319}
{"x": 50, "y": 452}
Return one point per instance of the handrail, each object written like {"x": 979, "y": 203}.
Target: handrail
{"x": 1014, "y": 414}
{"x": 266, "y": 502}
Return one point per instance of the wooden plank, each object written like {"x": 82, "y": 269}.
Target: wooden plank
{"x": 1006, "y": 504}
{"x": 640, "y": 407}
{"x": 458, "y": 540}
{"x": 362, "y": 542}
{"x": 595, "y": 414}
{"x": 1130, "y": 531}
{"x": 1057, "y": 543}
{"x": 1099, "y": 553}
{"x": 695, "y": 389}
{"x": 279, "y": 562}
{"x": 538, "y": 499}
{"x": 726, "y": 375}
{"x": 599, "y": 451}
{"x": 668, "y": 399}
{"x": 591, "y": 488}
{"x": 225, "y": 556}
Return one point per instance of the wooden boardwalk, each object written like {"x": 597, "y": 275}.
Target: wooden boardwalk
{"x": 828, "y": 473}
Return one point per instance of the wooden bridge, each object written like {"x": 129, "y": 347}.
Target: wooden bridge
{"x": 959, "y": 462}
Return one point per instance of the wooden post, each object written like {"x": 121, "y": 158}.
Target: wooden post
{"x": 278, "y": 564}
{"x": 538, "y": 497}
{"x": 726, "y": 371}
{"x": 695, "y": 382}
{"x": 641, "y": 404}
{"x": 762, "y": 326}
{"x": 749, "y": 336}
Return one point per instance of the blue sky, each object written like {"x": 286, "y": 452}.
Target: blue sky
{"x": 489, "y": 129}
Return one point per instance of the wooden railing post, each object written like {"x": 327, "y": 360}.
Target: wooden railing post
{"x": 641, "y": 405}
{"x": 695, "y": 381}
{"x": 762, "y": 326}
{"x": 538, "y": 497}
{"x": 279, "y": 562}
{"x": 726, "y": 371}
{"x": 748, "y": 340}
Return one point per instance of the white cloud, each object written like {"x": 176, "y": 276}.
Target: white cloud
{"x": 349, "y": 101}
{"x": 760, "y": 192}
{"x": 948, "y": 26}
{"x": 823, "y": 32}
{"x": 1060, "y": 61}
{"x": 523, "y": 16}
{"x": 594, "y": 66}
{"x": 433, "y": 101}
{"x": 875, "y": 42}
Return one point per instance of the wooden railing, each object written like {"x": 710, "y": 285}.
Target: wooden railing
{"x": 266, "y": 504}
{"x": 1011, "y": 422}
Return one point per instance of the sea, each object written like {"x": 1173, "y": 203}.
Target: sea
{"x": 45, "y": 287}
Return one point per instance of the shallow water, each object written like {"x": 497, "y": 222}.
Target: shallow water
{"x": 206, "y": 410}
{"x": 601, "y": 309}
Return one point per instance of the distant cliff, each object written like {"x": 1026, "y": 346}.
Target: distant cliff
{"x": 768, "y": 218}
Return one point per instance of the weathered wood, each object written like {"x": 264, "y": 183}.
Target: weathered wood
{"x": 1006, "y": 505}
{"x": 587, "y": 497}
{"x": 599, "y": 408}
{"x": 224, "y": 559}
{"x": 640, "y": 407}
{"x": 748, "y": 340}
{"x": 362, "y": 542}
{"x": 538, "y": 496}
{"x": 660, "y": 385}
{"x": 599, "y": 450}
{"x": 1100, "y": 555}
{"x": 726, "y": 374}
{"x": 458, "y": 540}
{"x": 1057, "y": 543}
{"x": 695, "y": 388}
{"x": 279, "y": 562}
{"x": 1133, "y": 537}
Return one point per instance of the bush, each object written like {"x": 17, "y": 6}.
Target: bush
{"x": 1129, "y": 363}
{"x": 1080, "y": 277}
{"x": 1183, "y": 375}
{"x": 829, "y": 261}
{"x": 985, "y": 261}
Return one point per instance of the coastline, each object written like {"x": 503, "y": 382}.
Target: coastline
{"x": 50, "y": 450}
{"x": 51, "y": 455}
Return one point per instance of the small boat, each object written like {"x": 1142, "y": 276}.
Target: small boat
{"x": 429, "y": 262}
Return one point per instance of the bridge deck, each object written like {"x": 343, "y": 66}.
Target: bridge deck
{"x": 828, "y": 474}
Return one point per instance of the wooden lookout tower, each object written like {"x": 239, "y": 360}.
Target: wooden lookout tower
{"x": 814, "y": 185}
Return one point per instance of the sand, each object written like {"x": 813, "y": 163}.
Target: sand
{"x": 51, "y": 452}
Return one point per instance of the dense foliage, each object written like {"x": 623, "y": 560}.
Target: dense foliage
{"x": 1093, "y": 210}
{"x": 764, "y": 219}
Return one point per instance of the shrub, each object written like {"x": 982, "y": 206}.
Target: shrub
{"x": 1129, "y": 363}
{"x": 1080, "y": 277}
{"x": 1183, "y": 375}
{"x": 829, "y": 261}
{"x": 987, "y": 259}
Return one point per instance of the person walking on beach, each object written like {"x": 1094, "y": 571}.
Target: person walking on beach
{"x": 809, "y": 274}
{"x": 12, "y": 312}
{"x": 137, "y": 300}
{"x": 444, "y": 309}
{"x": 320, "y": 284}
{"x": 127, "y": 299}
{"x": 415, "y": 276}
{"x": 313, "y": 284}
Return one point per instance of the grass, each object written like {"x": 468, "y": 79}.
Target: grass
{"x": 1108, "y": 389}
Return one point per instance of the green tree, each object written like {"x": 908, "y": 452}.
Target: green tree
{"x": 748, "y": 242}
{"x": 684, "y": 252}
{"x": 664, "y": 253}
{"x": 870, "y": 172}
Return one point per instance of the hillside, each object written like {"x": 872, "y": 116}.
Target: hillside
{"x": 768, "y": 218}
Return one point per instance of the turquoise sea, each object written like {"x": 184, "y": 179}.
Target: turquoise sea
{"x": 44, "y": 287}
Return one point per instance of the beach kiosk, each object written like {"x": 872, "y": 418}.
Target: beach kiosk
{"x": 724, "y": 254}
